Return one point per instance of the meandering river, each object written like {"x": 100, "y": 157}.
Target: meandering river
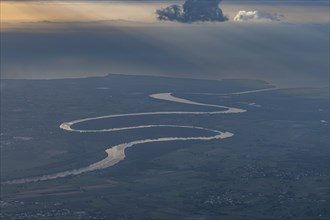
{"x": 117, "y": 153}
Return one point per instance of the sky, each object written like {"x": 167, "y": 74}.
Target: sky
{"x": 284, "y": 44}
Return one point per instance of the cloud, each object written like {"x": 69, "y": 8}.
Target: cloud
{"x": 192, "y": 11}
{"x": 257, "y": 16}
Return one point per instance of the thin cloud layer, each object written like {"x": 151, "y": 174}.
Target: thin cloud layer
{"x": 192, "y": 11}
{"x": 257, "y": 16}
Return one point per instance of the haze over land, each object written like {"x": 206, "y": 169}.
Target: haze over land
{"x": 93, "y": 39}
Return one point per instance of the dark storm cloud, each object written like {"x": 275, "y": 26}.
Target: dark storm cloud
{"x": 192, "y": 11}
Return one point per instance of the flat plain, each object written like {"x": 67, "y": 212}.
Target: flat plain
{"x": 276, "y": 166}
